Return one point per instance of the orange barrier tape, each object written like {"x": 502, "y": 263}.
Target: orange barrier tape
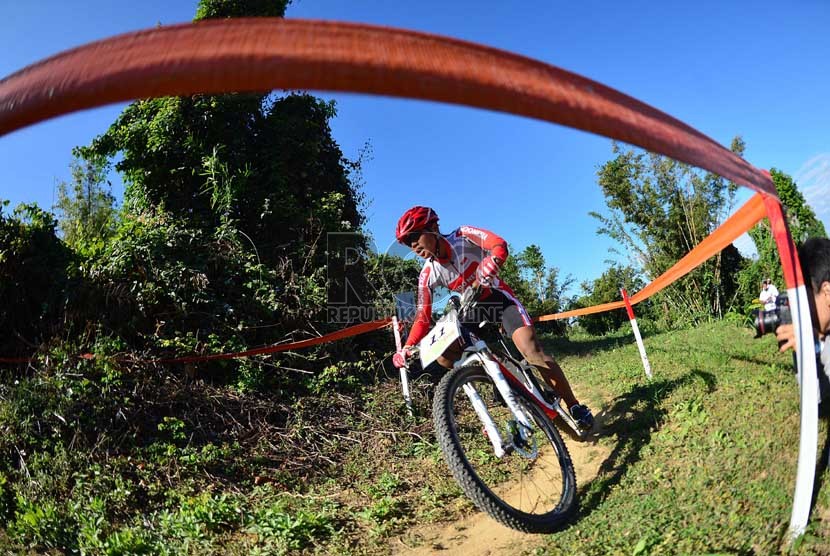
{"x": 262, "y": 53}
{"x": 584, "y": 311}
{"x": 744, "y": 219}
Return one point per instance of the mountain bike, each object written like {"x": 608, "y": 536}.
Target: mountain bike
{"x": 494, "y": 420}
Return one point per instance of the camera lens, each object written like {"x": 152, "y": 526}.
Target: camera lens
{"x": 766, "y": 322}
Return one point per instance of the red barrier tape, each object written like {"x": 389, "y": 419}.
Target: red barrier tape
{"x": 261, "y": 54}
{"x": 784, "y": 242}
{"x": 339, "y": 335}
{"x": 627, "y": 300}
{"x": 334, "y": 336}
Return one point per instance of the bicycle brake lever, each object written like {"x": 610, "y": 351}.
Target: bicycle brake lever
{"x": 469, "y": 298}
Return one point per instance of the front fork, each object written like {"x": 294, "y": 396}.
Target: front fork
{"x": 492, "y": 369}
{"x": 490, "y": 426}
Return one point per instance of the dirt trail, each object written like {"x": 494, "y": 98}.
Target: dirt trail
{"x": 478, "y": 534}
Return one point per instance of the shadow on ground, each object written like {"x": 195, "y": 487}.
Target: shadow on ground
{"x": 631, "y": 418}
{"x": 560, "y": 345}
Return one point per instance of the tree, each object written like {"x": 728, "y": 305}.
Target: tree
{"x": 800, "y": 217}
{"x": 802, "y": 222}
{"x": 34, "y": 277}
{"x": 511, "y": 273}
{"x": 231, "y": 208}
{"x": 532, "y": 262}
{"x": 660, "y": 209}
{"x": 538, "y": 287}
{"x": 606, "y": 289}
{"x": 265, "y": 162}
{"x": 218, "y": 9}
{"x": 86, "y": 207}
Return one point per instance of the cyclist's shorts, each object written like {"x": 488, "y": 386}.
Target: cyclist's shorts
{"x": 501, "y": 308}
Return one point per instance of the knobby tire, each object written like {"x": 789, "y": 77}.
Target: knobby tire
{"x": 445, "y": 405}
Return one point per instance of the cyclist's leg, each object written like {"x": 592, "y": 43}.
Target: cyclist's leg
{"x": 450, "y": 356}
{"x": 519, "y": 326}
{"x": 528, "y": 344}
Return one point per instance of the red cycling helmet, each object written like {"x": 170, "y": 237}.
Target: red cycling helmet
{"x": 416, "y": 219}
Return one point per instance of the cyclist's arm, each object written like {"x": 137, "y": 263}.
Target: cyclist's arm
{"x": 487, "y": 240}
{"x": 423, "y": 313}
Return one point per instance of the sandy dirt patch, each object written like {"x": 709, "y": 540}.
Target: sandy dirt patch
{"x": 478, "y": 534}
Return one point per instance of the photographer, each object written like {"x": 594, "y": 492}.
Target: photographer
{"x": 768, "y": 295}
{"x": 815, "y": 266}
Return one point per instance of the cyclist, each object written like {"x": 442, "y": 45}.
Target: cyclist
{"x": 473, "y": 256}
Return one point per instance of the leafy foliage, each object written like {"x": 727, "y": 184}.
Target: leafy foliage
{"x": 177, "y": 286}
{"x": 217, "y": 9}
{"x": 388, "y": 275}
{"x": 87, "y": 215}
{"x": 606, "y": 289}
{"x": 267, "y": 164}
{"x": 659, "y": 210}
{"x": 802, "y": 223}
{"x": 34, "y": 277}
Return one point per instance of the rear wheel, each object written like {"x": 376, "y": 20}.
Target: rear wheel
{"x": 532, "y": 487}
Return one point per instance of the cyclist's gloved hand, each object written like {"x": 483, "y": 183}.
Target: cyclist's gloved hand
{"x": 487, "y": 270}
{"x": 400, "y": 357}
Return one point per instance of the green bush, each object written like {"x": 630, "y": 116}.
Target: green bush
{"x": 289, "y": 531}
{"x": 34, "y": 278}
{"x": 42, "y": 524}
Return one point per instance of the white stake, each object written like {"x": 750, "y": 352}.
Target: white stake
{"x": 404, "y": 371}
{"x": 637, "y": 336}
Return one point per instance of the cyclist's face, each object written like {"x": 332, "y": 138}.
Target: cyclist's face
{"x": 424, "y": 244}
{"x": 822, "y": 303}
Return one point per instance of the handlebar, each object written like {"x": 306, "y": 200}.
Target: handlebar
{"x": 468, "y": 298}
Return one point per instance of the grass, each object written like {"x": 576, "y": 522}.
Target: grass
{"x": 703, "y": 456}
{"x": 702, "y": 459}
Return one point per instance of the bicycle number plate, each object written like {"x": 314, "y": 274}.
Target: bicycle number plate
{"x": 443, "y": 334}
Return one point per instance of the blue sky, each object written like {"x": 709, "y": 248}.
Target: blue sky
{"x": 758, "y": 69}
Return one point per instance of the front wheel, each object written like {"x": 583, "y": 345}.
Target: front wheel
{"x": 532, "y": 487}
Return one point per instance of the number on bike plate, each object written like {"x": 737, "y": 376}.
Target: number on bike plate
{"x": 439, "y": 339}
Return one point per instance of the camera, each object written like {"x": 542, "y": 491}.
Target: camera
{"x": 768, "y": 321}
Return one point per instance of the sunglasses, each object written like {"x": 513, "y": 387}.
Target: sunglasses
{"x": 411, "y": 237}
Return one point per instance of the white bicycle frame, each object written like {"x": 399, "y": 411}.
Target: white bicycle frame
{"x": 447, "y": 331}
{"x": 480, "y": 354}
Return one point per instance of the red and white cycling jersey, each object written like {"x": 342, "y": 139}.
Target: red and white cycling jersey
{"x": 467, "y": 247}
